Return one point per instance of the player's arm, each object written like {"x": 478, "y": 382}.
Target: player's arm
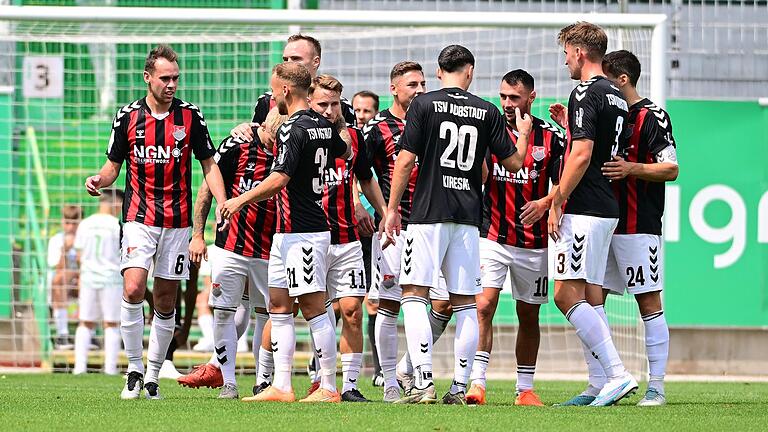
{"x": 524, "y": 125}
{"x": 532, "y": 211}
{"x": 267, "y": 189}
{"x": 342, "y": 146}
{"x": 404, "y": 165}
{"x": 661, "y": 143}
{"x": 117, "y": 151}
{"x": 198, "y": 250}
{"x": 105, "y": 178}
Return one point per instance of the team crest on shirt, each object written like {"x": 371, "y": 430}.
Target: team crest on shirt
{"x": 129, "y": 251}
{"x": 179, "y": 132}
{"x": 538, "y": 153}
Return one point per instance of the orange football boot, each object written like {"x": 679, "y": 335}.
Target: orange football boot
{"x": 206, "y": 375}
{"x": 528, "y": 398}
{"x": 476, "y": 395}
{"x": 323, "y": 395}
{"x": 272, "y": 394}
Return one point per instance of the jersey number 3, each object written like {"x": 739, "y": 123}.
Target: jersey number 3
{"x": 457, "y": 138}
{"x": 321, "y": 159}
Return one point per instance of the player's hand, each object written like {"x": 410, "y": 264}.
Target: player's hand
{"x": 221, "y": 222}
{"x": 553, "y": 222}
{"x": 559, "y": 114}
{"x": 533, "y": 211}
{"x": 243, "y": 131}
{"x": 365, "y": 224}
{"x": 230, "y": 208}
{"x": 524, "y": 122}
{"x": 92, "y": 185}
{"x": 197, "y": 249}
{"x": 617, "y": 168}
{"x": 391, "y": 227}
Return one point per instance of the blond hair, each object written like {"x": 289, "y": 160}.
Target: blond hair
{"x": 326, "y": 82}
{"x": 587, "y": 36}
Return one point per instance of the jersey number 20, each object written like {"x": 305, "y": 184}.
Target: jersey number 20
{"x": 457, "y": 138}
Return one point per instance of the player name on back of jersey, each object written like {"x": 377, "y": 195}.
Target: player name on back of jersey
{"x": 617, "y": 101}
{"x": 320, "y": 133}
{"x": 459, "y": 110}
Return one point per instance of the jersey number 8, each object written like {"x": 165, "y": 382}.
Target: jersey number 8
{"x": 457, "y": 139}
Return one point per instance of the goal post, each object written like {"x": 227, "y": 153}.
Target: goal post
{"x": 71, "y": 67}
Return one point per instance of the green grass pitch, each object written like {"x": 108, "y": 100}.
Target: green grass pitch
{"x": 63, "y": 402}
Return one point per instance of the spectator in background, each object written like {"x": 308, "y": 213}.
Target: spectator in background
{"x": 63, "y": 275}
{"x": 366, "y": 105}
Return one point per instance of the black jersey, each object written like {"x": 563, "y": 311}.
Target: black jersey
{"x": 266, "y": 102}
{"x": 596, "y": 111}
{"x": 450, "y": 130}
{"x": 305, "y": 143}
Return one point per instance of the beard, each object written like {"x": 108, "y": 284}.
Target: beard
{"x": 282, "y": 107}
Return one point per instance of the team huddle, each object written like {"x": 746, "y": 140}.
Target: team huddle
{"x": 465, "y": 196}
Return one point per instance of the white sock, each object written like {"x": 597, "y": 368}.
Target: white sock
{"x": 242, "y": 322}
{"x": 324, "y": 335}
{"x": 82, "y": 342}
{"x": 160, "y": 335}
{"x": 525, "y": 377}
{"x": 418, "y": 334}
{"x": 594, "y": 333}
{"x": 657, "y": 348}
{"x": 61, "y": 320}
{"x": 479, "y": 367}
{"x": 205, "y": 322}
{"x": 266, "y": 366}
{"x": 283, "y": 347}
{"x": 597, "y": 378}
{"x": 111, "y": 349}
{"x": 350, "y": 370}
{"x": 464, "y": 345}
{"x": 386, "y": 345}
{"x": 438, "y": 322}
{"x": 225, "y": 342}
{"x": 132, "y": 331}
{"x": 258, "y": 330}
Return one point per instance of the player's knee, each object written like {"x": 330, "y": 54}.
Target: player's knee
{"x": 222, "y": 315}
{"x": 352, "y": 316}
{"x": 442, "y": 307}
{"x": 528, "y": 315}
{"x": 88, "y": 324}
{"x": 133, "y": 290}
{"x": 485, "y": 309}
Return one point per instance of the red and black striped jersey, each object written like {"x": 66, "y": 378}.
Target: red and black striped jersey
{"x": 641, "y": 203}
{"x": 243, "y": 166}
{"x": 158, "y": 150}
{"x": 338, "y": 200}
{"x": 305, "y": 143}
{"x": 382, "y": 143}
{"x": 505, "y": 192}
{"x": 266, "y": 102}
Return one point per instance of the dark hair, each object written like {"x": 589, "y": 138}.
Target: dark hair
{"x": 160, "y": 51}
{"x": 370, "y": 94}
{"x": 114, "y": 195}
{"x": 454, "y": 57}
{"x": 294, "y": 73}
{"x": 519, "y": 76}
{"x": 622, "y": 62}
{"x": 403, "y": 68}
{"x": 587, "y": 36}
{"x": 312, "y": 41}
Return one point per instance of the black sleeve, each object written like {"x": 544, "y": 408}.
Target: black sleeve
{"x": 290, "y": 148}
{"x": 583, "y": 122}
{"x": 262, "y": 108}
{"x": 117, "y": 149}
{"x": 348, "y": 112}
{"x": 362, "y": 167}
{"x": 412, "y": 139}
{"x": 556, "y": 152}
{"x": 657, "y": 131}
{"x": 338, "y": 145}
{"x": 226, "y": 158}
{"x": 200, "y": 140}
{"x": 372, "y": 140}
{"x": 500, "y": 144}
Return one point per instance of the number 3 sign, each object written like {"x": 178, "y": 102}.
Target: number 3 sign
{"x": 43, "y": 77}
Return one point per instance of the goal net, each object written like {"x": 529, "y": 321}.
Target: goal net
{"x": 64, "y": 71}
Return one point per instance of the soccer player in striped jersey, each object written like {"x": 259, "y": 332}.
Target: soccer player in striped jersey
{"x": 638, "y": 176}
{"x": 97, "y": 242}
{"x": 584, "y": 211}
{"x": 157, "y": 135}
{"x": 382, "y": 142}
{"x": 297, "y": 259}
{"x": 346, "y": 273}
{"x": 307, "y": 51}
{"x": 514, "y": 238}
{"x": 241, "y": 257}
{"x": 365, "y": 103}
